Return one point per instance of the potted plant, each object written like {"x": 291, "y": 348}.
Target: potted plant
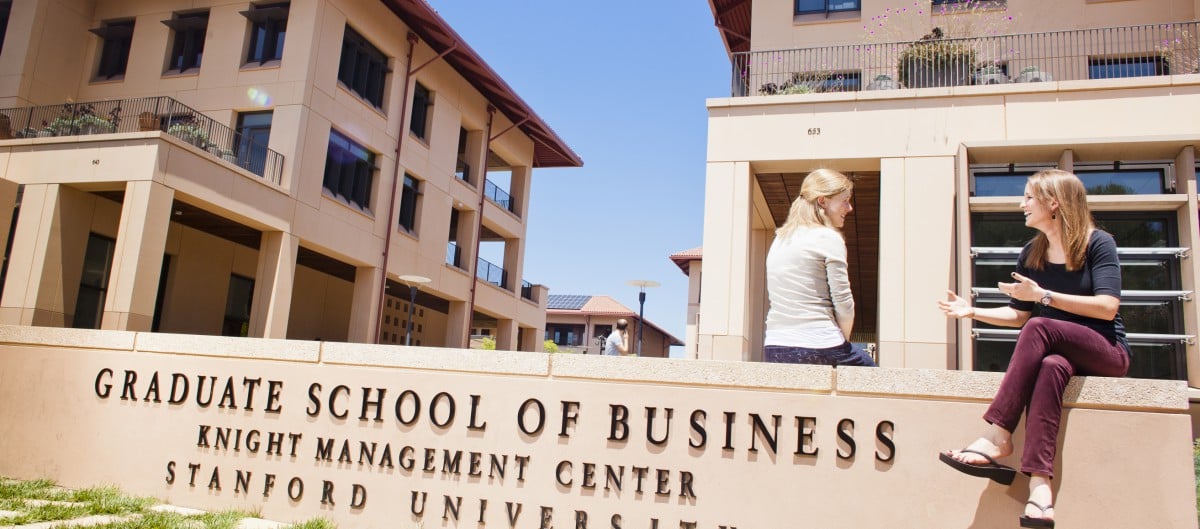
{"x": 62, "y": 126}
{"x": 229, "y": 156}
{"x": 990, "y": 74}
{"x": 27, "y": 132}
{"x": 93, "y": 124}
{"x": 1032, "y": 74}
{"x": 936, "y": 61}
{"x": 190, "y": 132}
{"x": 882, "y": 82}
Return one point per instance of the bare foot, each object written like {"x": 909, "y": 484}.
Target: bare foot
{"x": 996, "y": 443}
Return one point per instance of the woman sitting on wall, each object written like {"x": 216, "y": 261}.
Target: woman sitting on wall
{"x": 1070, "y": 269}
{"x": 812, "y": 309}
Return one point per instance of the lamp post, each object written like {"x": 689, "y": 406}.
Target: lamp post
{"x": 642, "y": 285}
{"x": 414, "y": 283}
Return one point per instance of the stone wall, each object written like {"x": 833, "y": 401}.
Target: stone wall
{"x": 370, "y": 436}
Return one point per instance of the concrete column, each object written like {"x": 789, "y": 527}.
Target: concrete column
{"x": 518, "y": 188}
{"x": 31, "y": 286}
{"x": 506, "y": 335}
{"x": 456, "y": 323}
{"x": 695, "y": 272}
{"x": 273, "y": 284}
{"x": 514, "y": 263}
{"x": 724, "y": 315}
{"x": 137, "y": 257}
{"x": 917, "y": 260}
{"x": 365, "y": 305}
{"x": 530, "y": 340}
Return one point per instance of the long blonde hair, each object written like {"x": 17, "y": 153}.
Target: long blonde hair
{"x": 822, "y": 183}
{"x": 1073, "y": 217}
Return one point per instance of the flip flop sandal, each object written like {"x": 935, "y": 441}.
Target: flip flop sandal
{"x": 992, "y": 470}
{"x": 1028, "y": 521}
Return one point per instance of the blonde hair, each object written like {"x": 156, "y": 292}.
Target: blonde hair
{"x": 1073, "y": 217}
{"x": 822, "y": 183}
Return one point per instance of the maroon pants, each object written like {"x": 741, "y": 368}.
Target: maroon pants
{"x": 1048, "y": 353}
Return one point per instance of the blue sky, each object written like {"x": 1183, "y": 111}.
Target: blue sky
{"x": 624, "y": 84}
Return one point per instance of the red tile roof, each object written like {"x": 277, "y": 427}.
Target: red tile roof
{"x": 684, "y": 259}
{"x": 549, "y": 150}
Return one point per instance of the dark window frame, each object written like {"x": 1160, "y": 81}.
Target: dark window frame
{"x": 242, "y": 321}
{"x": 190, "y": 29}
{"x": 252, "y": 153}
{"x": 363, "y": 69}
{"x": 422, "y": 101}
{"x": 349, "y": 171}
{"x": 410, "y": 200}
{"x": 116, "y": 41}
{"x": 96, "y": 290}
{"x": 268, "y": 30}
{"x": 1160, "y": 64}
{"x": 799, "y": 11}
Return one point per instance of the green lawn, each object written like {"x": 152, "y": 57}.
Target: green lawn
{"x": 69, "y": 504}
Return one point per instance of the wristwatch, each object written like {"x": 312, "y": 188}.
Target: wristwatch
{"x": 1046, "y": 299}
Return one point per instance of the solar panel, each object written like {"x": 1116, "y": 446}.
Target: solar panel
{"x": 566, "y": 301}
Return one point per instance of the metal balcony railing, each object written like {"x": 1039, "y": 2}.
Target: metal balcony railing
{"x": 499, "y": 196}
{"x": 527, "y": 290}
{"x": 1128, "y": 51}
{"x": 144, "y": 114}
{"x": 491, "y": 273}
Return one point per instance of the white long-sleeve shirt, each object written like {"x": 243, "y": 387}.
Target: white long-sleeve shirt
{"x": 809, "y": 289}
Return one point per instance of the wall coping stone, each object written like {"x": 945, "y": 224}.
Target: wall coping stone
{"x": 1081, "y": 392}
{"x": 436, "y": 358}
{"x": 228, "y": 346}
{"x": 694, "y": 372}
{"x": 62, "y": 337}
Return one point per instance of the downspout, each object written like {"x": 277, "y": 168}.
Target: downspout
{"x": 387, "y": 240}
{"x": 487, "y": 145}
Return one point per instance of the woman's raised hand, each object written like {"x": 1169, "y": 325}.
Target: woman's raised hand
{"x": 955, "y": 307}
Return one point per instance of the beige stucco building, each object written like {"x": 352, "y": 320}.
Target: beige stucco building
{"x": 180, "y": 166}
{"x": 1109, "y": 90}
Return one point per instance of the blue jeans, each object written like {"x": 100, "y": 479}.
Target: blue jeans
{"x": 846, "y": 354}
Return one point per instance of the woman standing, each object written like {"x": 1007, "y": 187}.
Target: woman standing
{"x": 1070, "y": 269}
{"x": 812, "y": 309}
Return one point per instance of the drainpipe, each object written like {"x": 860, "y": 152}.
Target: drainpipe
{"x": 387, "y": 241}
{"x": 487, "y": 146}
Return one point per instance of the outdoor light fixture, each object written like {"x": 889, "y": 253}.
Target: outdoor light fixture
{"x": 414, "y": 283}
{"x": 642, "y": 285}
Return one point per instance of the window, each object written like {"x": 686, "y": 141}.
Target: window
{"x": 267, "y": 30}
{"x": 408, "y": 203}
{"x": 462, "y": 170}
{"x": 237, "y": 306}
{"x": 1111, "y": 67}
{"x": 93, "y": 282}
{"x": 840, "y": 82}
{"x": 422, "y": 100}
{"x": 364, "y": 68}
{"x": 349, "y": 171}
{"x": 804, "y": 7}
{"x": 5, "y": 7}
{"x": 1151, "y": 307}
{"x": 115, "y": 40}
{"x": 1111, "y": 178}
{"x": 254, "y": 134}
{"x": 188, "y": 47}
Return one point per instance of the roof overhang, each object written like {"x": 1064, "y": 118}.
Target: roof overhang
{"x": 732, "y": 18}
{"x": 549, "y": 150}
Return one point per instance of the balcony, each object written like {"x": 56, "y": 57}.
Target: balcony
{"x": 146, "y": 114}
{"x": 499, "y": 196}
{"x": 1128, "y": 51}
{"x": 527, "y": 290}
{"x": 491, "y": 273}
